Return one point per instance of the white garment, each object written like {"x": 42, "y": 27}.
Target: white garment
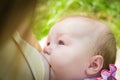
{"x": 21, "y": 61}
{"x": 118, "y": 64}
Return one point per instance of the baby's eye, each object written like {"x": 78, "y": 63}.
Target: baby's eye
{"x": 48, "y": 43}
{"x": 60, "y": 42}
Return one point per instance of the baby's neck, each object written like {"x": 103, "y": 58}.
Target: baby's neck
{"x": 93, "y": 78}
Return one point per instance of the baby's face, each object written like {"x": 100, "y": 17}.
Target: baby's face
{"x": 68, "y": 49}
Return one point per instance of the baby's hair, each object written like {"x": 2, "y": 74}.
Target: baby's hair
{"x": 106, "y": 46}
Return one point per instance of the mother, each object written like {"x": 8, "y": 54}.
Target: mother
{"x": 19, "y": 51}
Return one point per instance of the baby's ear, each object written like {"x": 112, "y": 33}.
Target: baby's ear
{"x": 95, "y": 65}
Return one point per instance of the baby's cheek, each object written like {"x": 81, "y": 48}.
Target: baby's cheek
{"x": 58, "y": 65}
{"x": 57, "y": 61}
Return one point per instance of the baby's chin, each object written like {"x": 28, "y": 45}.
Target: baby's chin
{"x": 52, "y": 75}
{"x": 47, "y": 57}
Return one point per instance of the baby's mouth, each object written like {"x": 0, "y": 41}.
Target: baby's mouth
{"x": 47, "y": 57}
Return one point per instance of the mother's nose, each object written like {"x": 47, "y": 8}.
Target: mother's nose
{"x": 47, "y": 50}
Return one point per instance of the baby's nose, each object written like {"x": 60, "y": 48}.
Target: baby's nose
{"x": 47, "y": 50}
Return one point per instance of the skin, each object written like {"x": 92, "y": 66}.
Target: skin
{"x": 69, "y": 48}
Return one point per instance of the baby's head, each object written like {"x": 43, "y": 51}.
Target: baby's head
{"x": 79, "y": 47}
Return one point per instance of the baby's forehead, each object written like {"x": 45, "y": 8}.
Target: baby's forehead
{"x": 77, "y": 22}
{"x": 79, "y": 26}
{"x": 75, "y": 25}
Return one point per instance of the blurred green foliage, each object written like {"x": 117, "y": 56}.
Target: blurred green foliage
{"x": 51, "y": 11}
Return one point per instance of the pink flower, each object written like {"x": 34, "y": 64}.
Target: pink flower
{"x": 108, "y": 74}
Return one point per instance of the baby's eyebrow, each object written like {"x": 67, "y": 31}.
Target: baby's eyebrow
{"x": 62, "y": 35}
{"x": 59, "y": 35}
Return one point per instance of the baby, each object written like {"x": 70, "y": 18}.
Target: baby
{"x": 78, "y": 48}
